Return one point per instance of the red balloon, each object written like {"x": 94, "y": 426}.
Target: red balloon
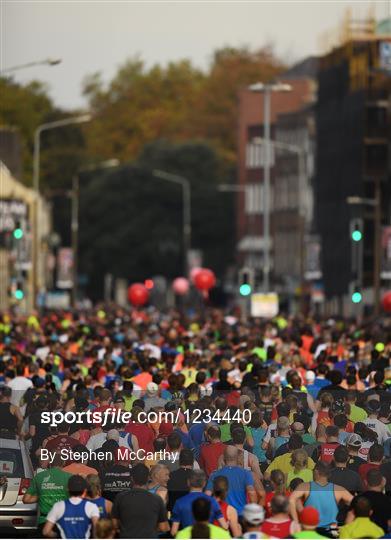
{"x": 138, "y": 294}
{"x": 180, "y": 286}
{"x": 205, "y": 279}
{"x": 387, "y": 302}
{"x": 194, "y": 272}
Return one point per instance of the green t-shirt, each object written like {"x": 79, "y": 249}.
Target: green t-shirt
{"x": 214, "y": 532}
{"x": 308, "y": 534}
{"x": 50, "y": 486}
{"x": 225, "y": 430}
{"x": 357, "y": 414}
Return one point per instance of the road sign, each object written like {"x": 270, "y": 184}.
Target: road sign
{"x": 264, "y": 305}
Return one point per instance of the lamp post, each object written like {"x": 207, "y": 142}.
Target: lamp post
{"x": 186, "y": 195}
{"x": 108, "y": 164}
{"x": 267, "y": 90}
{"x": 46, "y": 62}
{"x": 36, "y": 178}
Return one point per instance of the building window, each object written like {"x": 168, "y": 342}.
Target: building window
{"x": 253, "y": 199}
{"x": 255, "y": 154}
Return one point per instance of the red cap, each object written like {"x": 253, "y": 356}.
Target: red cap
{"x": 309, "y": 516}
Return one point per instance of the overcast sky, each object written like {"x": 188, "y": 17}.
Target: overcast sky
{"x": 100, "y": 36}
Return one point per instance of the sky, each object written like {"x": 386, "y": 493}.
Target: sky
{"x": 99, "y": 36}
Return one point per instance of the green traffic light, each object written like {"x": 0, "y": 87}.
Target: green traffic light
{"x": 356, "y": 297}
{"x": 19, "y": 294}
{"x": 245, "y": 289}
{"x": 18, "y": 233}
{"x": 356, "y": 235}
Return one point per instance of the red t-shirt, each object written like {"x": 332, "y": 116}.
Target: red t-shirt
{"x": 327, "y": 451}
{"x": 144, "y": 434}
{"x": 364, "y": 469}
{"x": 268, "y": 500}
{"x": 209, "y": 456}
{"x": 278, "y": 530}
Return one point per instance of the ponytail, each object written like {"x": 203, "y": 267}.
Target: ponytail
{"x": 200, "y": 530}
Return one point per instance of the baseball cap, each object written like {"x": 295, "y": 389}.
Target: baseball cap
{"x": 254, "y": 514}
{"x": 152, "y": 388}
{"x": 309, "y": 516}
{"x": 310, "y": 375}
{"x": 354, "y": 440}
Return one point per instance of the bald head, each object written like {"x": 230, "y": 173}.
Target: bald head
{"x": 231, "y": 455}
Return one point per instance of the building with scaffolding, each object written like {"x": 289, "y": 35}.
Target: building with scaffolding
{"x": 353, "y": 163}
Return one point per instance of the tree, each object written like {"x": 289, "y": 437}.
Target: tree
{"x": 177, "y": 102}
{"x": 131, "y": 222}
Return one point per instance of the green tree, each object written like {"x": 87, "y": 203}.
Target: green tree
{"x": 131, "y": 222}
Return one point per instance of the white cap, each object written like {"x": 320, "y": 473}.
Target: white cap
{"x": 310, "y": 375}
{"x": 254, "y": 514}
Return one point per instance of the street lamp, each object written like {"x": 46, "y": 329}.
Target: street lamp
{"x": 47, "y": 62}
{"x": 108, "y": 164}
{"x": 186, "y": 195}
{"x": 267, "y": 90}
{"x": 36, "y": 171}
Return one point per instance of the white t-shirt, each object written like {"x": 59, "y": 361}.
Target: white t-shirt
{"x": 19, "y": 385}
{"x": 58, "y": 510}
{"x": 379, "y": 428}
{"x": 96, "y": 441}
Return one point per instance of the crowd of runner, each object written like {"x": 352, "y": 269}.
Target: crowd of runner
{"x": 279, "y": 429}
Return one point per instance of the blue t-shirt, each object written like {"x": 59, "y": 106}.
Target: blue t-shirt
{"x": 182, "y": 511}
{"x": 238, "y": 481}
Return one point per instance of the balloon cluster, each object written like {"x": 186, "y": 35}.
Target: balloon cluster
{"x": 202, "y": 278}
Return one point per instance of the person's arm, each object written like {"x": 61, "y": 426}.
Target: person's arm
{"x": 254, "y": 463}
{"x": 223, "y": 524}
{"x": 174, "y": 528}
{"x": 31, "y": 495}
{"x": 163, "y": 526}
{"x": 53, "y": 516}
{"x": 175, "y": 519}
{"x": 48, "y": 530}
{"x": 251, "y": 494}
{"x": 342, "y": 494}
{"x": 29, "y": 499}
{"x": 135, "y": 442}
{"x": 234, "y": 525}
{"x": 94, "y": 521}
{"x": 108, "y": 506}
{"x": 296, "y": 499}
{"x": 311, "y": 403}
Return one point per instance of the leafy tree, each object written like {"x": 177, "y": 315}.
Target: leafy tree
{"x": 131, "y": 222}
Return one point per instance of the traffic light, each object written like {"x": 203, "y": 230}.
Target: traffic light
{"x": 356, "y": 230}
{"x": 17, "y": 290}
{"x": 246, "y": 281}
{"x": 356, "y": 296}
{"x": 18, "y": 231}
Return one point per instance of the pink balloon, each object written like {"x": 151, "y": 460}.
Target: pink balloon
{"x": 194, "y": 272}
{"x": 181, "y": 286}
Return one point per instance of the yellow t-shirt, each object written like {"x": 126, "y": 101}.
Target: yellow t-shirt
{"x": 305, "y": 474}
{"x": 283, "y": 463}
{"x": 361, "y": 527}
{"x": 214, "y": 532}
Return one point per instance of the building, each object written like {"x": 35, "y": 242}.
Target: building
{"x": 250, "y": 241}
{"x": 353, "y": 133}
{"x": 17, "y": 207}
